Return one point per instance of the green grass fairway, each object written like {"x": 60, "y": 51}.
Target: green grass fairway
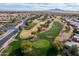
{"x": 52, "y": 33}
{"x": 41, "y": 43}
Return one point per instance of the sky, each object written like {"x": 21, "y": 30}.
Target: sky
{"x": 38, "y": 6}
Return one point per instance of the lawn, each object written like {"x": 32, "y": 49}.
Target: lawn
{"x": 41, "y": 43}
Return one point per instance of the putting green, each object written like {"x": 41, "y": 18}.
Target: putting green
{"x": 41, "y": 43}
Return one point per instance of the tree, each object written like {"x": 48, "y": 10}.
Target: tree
{"x": 48, "y": 21}
{"x": 73, "y": 50}
{"x": 39, "y": 29}
{"x": 1, "y": 33}
{"x": 13, "y": 20}
{"x": 53, "y": 51}
{"x": 33, "y": 32}
{"x": 16, "y": 52}
{"x": 26, "y": 46}
{"x": 58, "y": 43}
{"x": 67, "y": 28}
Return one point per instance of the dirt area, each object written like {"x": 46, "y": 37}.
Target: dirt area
{"x": 35, "y": 21}
{"x": 26, "y": 33}
{"x": 64, "y": 36}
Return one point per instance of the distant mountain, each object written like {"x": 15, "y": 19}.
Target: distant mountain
{"x": 56, "y": 10}
{"x": 60, "y": 10}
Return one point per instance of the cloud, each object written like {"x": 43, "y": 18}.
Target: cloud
{"x": 38, "y": 6}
